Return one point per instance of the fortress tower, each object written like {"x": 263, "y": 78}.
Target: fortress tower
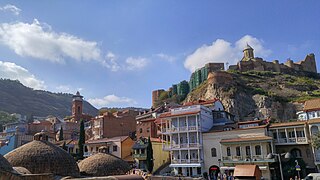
{"x": 77, "y": 104}
{"x": 247, "y": 53}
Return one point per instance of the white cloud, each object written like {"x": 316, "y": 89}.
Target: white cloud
{"x": 166, "y": 57}
{"x": 136, "y": 63}
{"x": 223, "y": 51}
{"x": 11, "y": 8}
{"x": 111, "y": 62}
{"x": 37, "y": 40}
{"x": 12, "y": 71}
{"x": 112, "y": 100}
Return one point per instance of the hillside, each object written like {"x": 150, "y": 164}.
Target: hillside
{"x": 17, "y": 98}
{"x": 256, "y": 94}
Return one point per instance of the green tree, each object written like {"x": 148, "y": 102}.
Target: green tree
{"x": 149, "y": 156}
{"x": 64, "y": 146}
{"x": 316, "y": 141}
{"x": 81, "y": 140}
{"x": 61, "y": 134}
{"x": 6, "y": 118}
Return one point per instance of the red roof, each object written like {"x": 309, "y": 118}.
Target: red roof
{"x": 259, "y": 138}
{"x": 168, "y": 114}
{"x": 201, "y": 102}
{"x": 313, "y": 104}
{"x": 103, "y": 140}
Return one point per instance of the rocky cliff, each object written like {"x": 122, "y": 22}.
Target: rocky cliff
{"x": 259, "y": 94}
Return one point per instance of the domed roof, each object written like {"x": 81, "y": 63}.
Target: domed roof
{"x": 40, "y": 156}
{"x": 4, "y": 164}
{"x": 102, "y": 164}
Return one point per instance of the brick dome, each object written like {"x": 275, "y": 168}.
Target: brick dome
{"x": 41, "y": 156}
{"x": 102, "y": 164}
{"x": 4, "y": 164}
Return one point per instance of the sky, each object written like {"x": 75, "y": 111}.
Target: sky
{"x": 116, "y": 52}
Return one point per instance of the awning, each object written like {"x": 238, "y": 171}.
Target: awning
{"x": 262, "y": 168}
{"x": 185, "y": 165}
{"x": 226, "y": 168}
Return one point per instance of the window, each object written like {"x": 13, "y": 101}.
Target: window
{"x": 258, "y": 149}
{"x": 79, "y": 110}
{"x": 142, "y": 151}
{"x": 115, "y": 148}
{"x": 187, "y": 156}
{"x": 296, "y": 153}
{"x": 275, "y": 135}
{"x": 238, "y": 151}
{"x": 140, "y": 130}
{"x": 213, "y": 152}
{"x": 300, "y": 134}
{"x": 148, "y": 129}
{"x": 228, "y": 151}
{"x": 248, "y": 151}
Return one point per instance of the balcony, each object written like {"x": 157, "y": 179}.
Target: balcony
{"x": 184, "y": 145}
{"x": 293, "y": 140}
{"x": 178, "y": 129}
{"x": 246, "y": 159}
{"x": 140, "y": 156}
{"x": 185, "y": 161}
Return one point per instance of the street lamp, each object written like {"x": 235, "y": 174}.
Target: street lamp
{"x": 286, "y": 155}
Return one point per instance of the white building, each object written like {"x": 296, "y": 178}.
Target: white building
{"x": 311, "y": 110}
{"x": 226, "y": 147}
{"x": 183, "y": 127}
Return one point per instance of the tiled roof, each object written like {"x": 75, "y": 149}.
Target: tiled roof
{"x": 201, "y": 102}
{"x": 103, "y": 140}
{"x": 312, "y": 104}
{"x": 168, "y": 114}
{"x": 312, "y": 121}
{"x": 295, "y": 123}
{"x": 259, "y": 138}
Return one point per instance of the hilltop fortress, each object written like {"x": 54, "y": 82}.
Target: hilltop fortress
{"x": 249, "y": 62}
{"x": 216, "y": 72}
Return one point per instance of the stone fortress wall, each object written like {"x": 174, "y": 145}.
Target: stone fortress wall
{"x": 249, "y": 62}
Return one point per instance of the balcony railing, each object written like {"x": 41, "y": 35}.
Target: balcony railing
{"x": 184, "y": 145}
{"x": 185, "y": 161}
{"x": 292, "y": 140}
{"x": 246, "y": 158}
{"x": 139, "y": 156}
{"x": 179, "y": 129}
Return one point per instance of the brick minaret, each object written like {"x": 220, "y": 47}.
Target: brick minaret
{"x": 77, "y": 103}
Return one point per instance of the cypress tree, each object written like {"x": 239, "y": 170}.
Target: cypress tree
{"x": 81, "y": 140}
{"x": 149, "y": 162}
{"x": 64, "y": 146}
{"x": 61, "y": 134}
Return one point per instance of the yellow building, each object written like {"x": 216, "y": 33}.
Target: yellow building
{"x": 139, "y": 153}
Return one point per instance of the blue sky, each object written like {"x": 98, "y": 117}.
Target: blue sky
{"x": 117, "y": 52}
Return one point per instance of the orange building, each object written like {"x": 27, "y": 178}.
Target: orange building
{"x": 120, "y": 123}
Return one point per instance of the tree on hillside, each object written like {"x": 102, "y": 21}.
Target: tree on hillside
{"x": 149, "y": 156}
{"x": 81, "y": 140}
{"x": 60, "y": 134}
{"x": 6, "y": 118}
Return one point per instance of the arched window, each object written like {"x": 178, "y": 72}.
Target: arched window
{"x": 213, "y": 152}
{"x": 238, "y": 151}
{"x": 296, "y": 153}
{"x": 79, "y": 110}
{"x": 228, "y": 151}
{"x": 248, "y": 151}
{"x": 314, "y": 130}
{"x": 258, "y": 149}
